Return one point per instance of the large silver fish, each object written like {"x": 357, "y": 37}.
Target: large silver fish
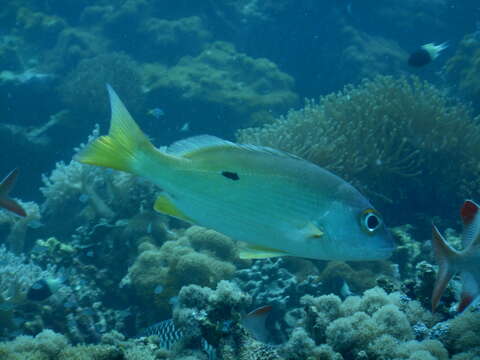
{"x": 276, "y": 202}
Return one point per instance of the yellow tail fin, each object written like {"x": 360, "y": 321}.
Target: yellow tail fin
{"x": 125, "y": 146}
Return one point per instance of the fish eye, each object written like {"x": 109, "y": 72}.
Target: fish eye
{"x": 370, "y": 220}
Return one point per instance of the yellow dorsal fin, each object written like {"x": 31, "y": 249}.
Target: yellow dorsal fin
{"x": 190, "y": 145}
{"x": 259, "y": 252}
{"x": 164, "y": 205}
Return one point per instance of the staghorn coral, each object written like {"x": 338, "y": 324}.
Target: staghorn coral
{"x": 395, "y": 139}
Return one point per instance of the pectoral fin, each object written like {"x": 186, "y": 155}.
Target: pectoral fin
{"x": 260, "y": 252}
{"x": 314, "y": 231}
{"x": 164, "y": 205}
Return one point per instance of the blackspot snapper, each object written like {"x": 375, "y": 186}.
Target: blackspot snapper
{"x": 276, "y": 202}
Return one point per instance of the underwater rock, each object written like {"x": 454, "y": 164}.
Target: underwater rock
{"x": 228, "y": 87}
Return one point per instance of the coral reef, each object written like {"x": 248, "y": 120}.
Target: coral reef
{"x": 50, "y": 345}
{"x": 370, "y": 327}
{"x": 462, "y": 69}
{"x": 167, "y": 40}
{"x": 83, "y": 89}
{"x": 226, "y": 86}
{"x": 18, "y": 227}
{"x": 395, "y": 139}
{"x": 195, "y": 256}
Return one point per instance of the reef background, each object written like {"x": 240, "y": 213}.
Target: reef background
{"x": 326, "y": 80}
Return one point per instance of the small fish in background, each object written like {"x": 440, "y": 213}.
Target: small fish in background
{"x": 345, "y": 291}
{"x": 5, "y": 187}
{"x": 426, "y": 54}
{"x": 185, "y": 127}
{"x": 44, "y": 288}
{"x": 157, "y": 113}
{"x": 466, "y": 262}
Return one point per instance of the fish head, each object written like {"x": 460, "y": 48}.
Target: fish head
{"x": 355, "y": 230}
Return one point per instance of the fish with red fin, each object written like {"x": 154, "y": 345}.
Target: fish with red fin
{"x": 466, "y": 262}
{"x": 5, "y": 187}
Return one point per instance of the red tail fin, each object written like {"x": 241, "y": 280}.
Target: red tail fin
{"x": 5, "y": 186}
{"x": 445, "y": 257}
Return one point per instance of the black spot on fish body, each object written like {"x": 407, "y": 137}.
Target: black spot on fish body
{"x": 230, "y": 175}
{"x": 419, "y": 58}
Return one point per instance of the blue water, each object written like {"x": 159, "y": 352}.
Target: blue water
{"x": 186, "y": 68}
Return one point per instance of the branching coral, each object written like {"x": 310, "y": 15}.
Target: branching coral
{"x": 398, "y": 139}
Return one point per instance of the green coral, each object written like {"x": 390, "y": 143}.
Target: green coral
{"x": 168, "y": 40}
{"x": 181, "y": 262}
{"x": 221, "y": 82}
{"x": 395, "y": 139}
{"x": 83, "y": 89}
{"x": 462, "y": 70}
{"x": 39, "y": 27}
{"x": 48, "y": 345}
{"x": 374, "y": 326}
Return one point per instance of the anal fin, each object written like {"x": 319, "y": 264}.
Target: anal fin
{"x": 259, "y": 252}
{"x": 164, "y": 205}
